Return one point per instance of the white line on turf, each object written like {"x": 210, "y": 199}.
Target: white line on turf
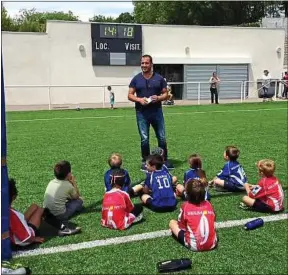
{"x": 124, "y": 116}
{"x": 133, "y": 238}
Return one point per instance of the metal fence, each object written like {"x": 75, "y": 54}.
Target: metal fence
{"x": 36, "y": 97}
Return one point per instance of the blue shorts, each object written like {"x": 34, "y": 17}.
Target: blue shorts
{"x": 153, "y": 207}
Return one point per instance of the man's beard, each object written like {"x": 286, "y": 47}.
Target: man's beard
{"x": 148, "y": 70}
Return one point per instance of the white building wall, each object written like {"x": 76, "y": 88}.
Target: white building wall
{"x": 54, "y": 58}
{"x": 26, "y": 62}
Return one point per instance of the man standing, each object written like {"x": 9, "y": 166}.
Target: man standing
{"x": 266, "y": 77}
{"x": 214, "y": 80}
{"x": 147, "y": 89}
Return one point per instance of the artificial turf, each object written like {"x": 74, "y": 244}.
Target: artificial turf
{"x": 86, "y": 141}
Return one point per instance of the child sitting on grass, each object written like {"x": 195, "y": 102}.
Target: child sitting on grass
{"x": 195, "y": 172}
{"x": 158, "y": 187}
{"x": 115, "y": 162}
{"x": 160, "y": 151}
{"x": 267, "y": 195}
{"x": 118, "y": 211}
{"x": 232, "y": 176}
{"x": 24, "y": 228}
{"x": 195, "y": 228}
{"x": 62, "y": 197}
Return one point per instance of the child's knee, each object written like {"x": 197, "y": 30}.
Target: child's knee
{"x": 172, "y": 224}
{"x": 219, "y": 182}
{"x": 245, "y": 198}
{"x": 174, "y": 179}
{"x": 145, "y": 197}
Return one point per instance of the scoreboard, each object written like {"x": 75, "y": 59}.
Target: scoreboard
{"x": 116, "y": 44}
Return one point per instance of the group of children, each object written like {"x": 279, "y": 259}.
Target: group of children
{"x": 195, "y": 227}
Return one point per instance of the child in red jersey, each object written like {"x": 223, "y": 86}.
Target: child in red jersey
{"x": 195, "y": 227}
{"x": 24, "y": 228}
{"x": 118, "y": 211}
{"x": 267, "y": 195}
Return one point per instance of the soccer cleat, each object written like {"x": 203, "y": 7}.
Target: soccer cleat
{"x": 242, "y": 205}
{"x": 68, "y": 231}
{"x": 211, "y": 183}
{"x": 169, "y": 165}
{"x": 139, "y": 218}
{"x": 15, "y": 269}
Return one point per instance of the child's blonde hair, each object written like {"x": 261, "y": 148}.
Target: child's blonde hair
{"x": 115, "y": 160}
{"x": 266, "y": 167}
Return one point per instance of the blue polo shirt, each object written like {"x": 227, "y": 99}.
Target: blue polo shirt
{"x": 146, "y": 88}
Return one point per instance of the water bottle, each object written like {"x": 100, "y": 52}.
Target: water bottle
{"x": 254, "y": 224}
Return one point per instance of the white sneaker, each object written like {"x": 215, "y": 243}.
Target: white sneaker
{"x": 139, "y": 218}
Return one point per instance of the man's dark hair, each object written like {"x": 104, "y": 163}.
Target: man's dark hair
{"x": 109, "y": 88}
{"x": 286, "y": 72}
{"x": 155, "y": 160}
{"x": 195, "y": 190}
{"x": 117, "y": 177}
{"x": 62, "y": 169}
{"x": 232, "y": 152}
{"x": 13, "y": 192}
{"x": 148, "y": 56}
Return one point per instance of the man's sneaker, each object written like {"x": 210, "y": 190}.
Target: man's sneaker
{"x": 68, "y": 231}
{"x": 169, "y": 165}
{"x": 143, "y": 167}
{"x": 242, "y": 205}
{"x": 17, "y": 269}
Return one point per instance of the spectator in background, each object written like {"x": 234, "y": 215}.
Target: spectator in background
{"x": 214, "y": 80}
{"x": 285, "y": 82}
{"x": 112, "y": 97}
{"x": 266, "y": 77}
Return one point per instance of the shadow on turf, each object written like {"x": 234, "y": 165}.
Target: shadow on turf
{"x": 177, "y": 162}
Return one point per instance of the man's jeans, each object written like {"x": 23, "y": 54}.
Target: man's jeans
{"x": 156, "y": 119}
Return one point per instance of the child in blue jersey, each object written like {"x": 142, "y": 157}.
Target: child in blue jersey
{"x": 115, "y": 162}
{"x": 195, "y": 172}
{"x": 232, "y": 176}
{"x": 158, "y": 190}
{"x": 160, "y": 151}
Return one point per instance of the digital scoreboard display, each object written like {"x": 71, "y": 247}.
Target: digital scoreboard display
{"x": 116, "y": 44}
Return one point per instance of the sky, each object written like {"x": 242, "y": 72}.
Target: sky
{"x": 84, "y": 10}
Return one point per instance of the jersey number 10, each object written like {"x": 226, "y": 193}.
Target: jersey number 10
{"x": 163, "y": 183}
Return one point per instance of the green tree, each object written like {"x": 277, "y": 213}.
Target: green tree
{"x": 102, "y": 18}
{"x": 213, "y": 13}
{"x": 7, "y": 23}
{"x": 32, "y": 20}
{"x": 125, "y": 17}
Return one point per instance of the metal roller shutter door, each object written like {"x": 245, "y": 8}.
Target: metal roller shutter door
{"x": 202, "y": 73}
{"x": 231, "y": 72}
{"x": 197, "y": 73}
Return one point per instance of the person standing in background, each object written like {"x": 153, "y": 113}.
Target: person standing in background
{"x": 285, "y": 82}
{"x": 266, "y": 77}
{"x": 112, "y": 97}
{"x": 214, "y": 80}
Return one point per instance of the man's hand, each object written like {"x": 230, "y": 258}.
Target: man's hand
{"x": 142, "y": 101}
{"x": 154, "y": 98}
